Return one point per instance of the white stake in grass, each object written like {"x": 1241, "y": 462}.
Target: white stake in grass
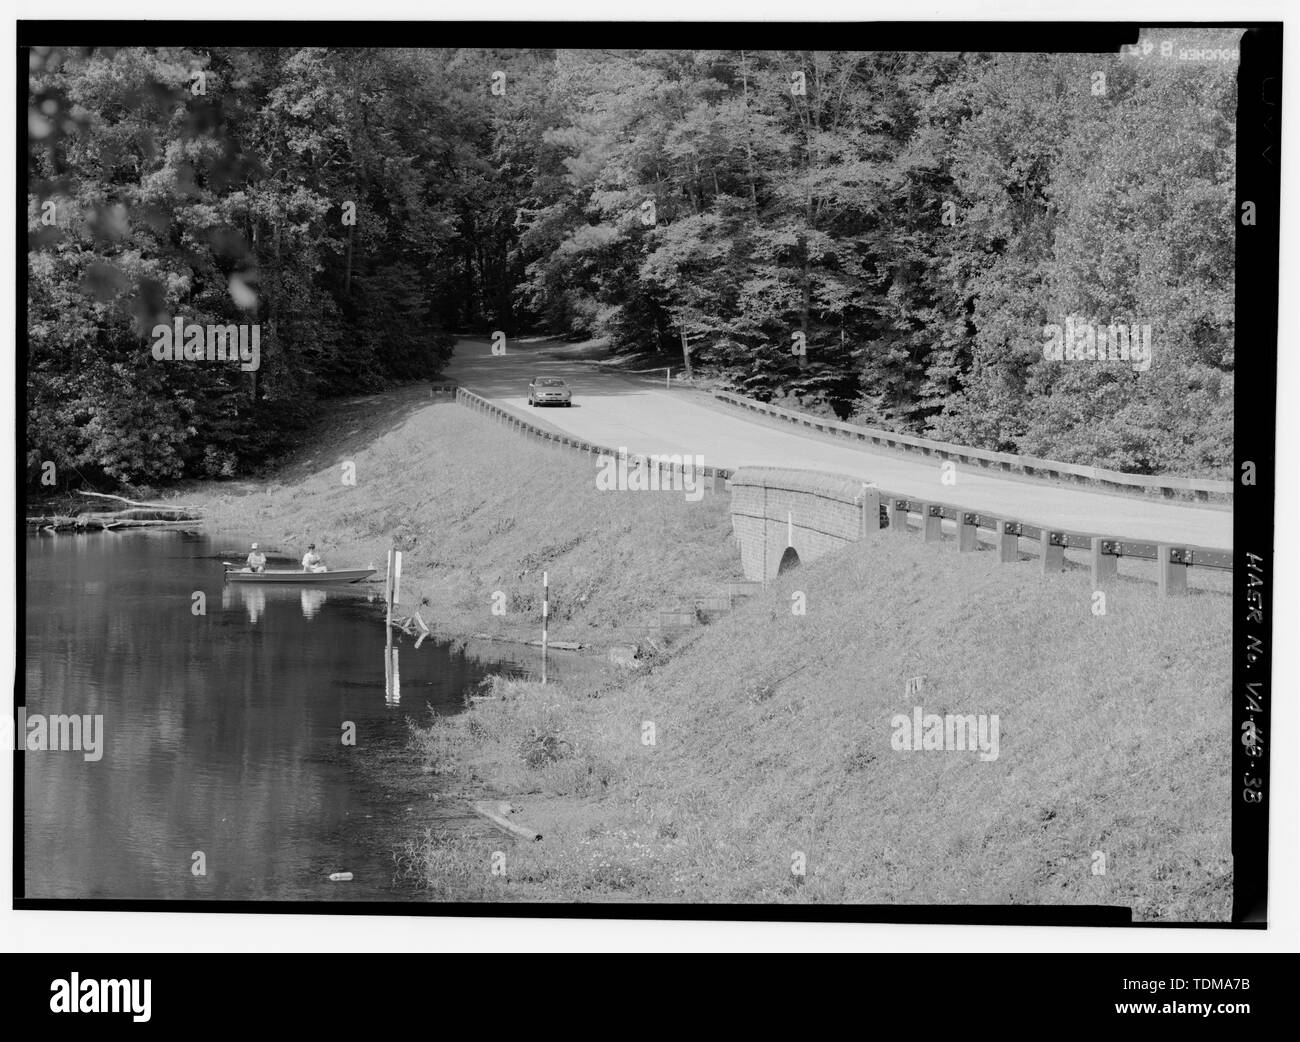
{"x": 546, "y": 611}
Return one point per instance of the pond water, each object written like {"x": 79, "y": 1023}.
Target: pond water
{"x": 222, "y": 732}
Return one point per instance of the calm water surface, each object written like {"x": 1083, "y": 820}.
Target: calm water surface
{"x": 222, "y": 732}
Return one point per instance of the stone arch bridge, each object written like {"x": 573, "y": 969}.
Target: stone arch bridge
{"x": 782, "y": 517}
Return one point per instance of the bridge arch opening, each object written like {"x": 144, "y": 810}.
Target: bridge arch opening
{"x": 789, "y": 561}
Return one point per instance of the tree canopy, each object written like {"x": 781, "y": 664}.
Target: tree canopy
{"x": 885, "y": 235}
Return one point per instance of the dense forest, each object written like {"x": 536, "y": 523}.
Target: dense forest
{"x": 882, "y": 234}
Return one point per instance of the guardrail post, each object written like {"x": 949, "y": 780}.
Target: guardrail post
{"x": 1008, "y": 541}
{"x": 931, "y": 523}
{"x": 1173, "y": 562}
{"x": 1104, "y": 561}
{"x": 898, "y": 515}
{"x": 966, "y": 537}
{"x": 1052, "y": 551}
{"x": 870, "y": 511}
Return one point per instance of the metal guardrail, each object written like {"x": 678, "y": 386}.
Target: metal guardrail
{"x": 1032, "y": 466}
{"x": 1105, "y": 549}
{"x": 1109, "y": 545}
{"x": 482, "y": 405}
{"x": 881, "y": 508}
{"x": 1172, "y": 559}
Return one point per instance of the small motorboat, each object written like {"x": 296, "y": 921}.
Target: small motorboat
{"x": 297, "y": 575}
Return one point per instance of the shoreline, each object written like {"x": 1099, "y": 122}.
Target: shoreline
{"x": 750, "y": 762}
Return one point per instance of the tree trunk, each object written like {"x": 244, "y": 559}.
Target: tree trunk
{"x": 347, "y": 274}
{"x": 807, "y": 303}
{"x": 470, "y": 316}
{"x": 749, "y": 137}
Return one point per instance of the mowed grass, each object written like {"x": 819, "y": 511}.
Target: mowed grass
{"x": 772, "y": 730}
{"x": 772, "y": 741}
{"x": 480, "y": 514}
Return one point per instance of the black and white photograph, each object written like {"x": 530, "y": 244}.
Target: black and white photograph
{"x": 814, "y": 472}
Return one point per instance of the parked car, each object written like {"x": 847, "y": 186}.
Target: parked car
{"x": 549, "y": 390}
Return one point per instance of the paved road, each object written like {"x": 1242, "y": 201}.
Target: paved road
{"x": 640, "y": 413}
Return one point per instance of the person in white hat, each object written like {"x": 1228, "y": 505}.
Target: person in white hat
{"x": 256, "y": 559}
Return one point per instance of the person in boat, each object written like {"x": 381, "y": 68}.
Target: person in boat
{"x": 256, "y": 559}
{"x": 311, "y": 560}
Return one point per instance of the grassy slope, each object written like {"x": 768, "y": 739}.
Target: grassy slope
{"x": 772, "y": 729}
{"x": 773, "y": 736}
{"x": 478, "y": 510}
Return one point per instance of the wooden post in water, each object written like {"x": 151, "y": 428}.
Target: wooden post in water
{"x": 388, "y": 628}
{"x": 391, "y": 595}
{"x": 388, "y": 590}
{"x": 393, "y": 584}
{"x": 546, "y": 611}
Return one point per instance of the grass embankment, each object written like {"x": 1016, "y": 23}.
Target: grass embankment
{"x": 476, "y": 510}
{"x": 772, "y": 730}
{"x": 773, "y": 736}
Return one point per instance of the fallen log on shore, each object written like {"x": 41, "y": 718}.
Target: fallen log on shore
{"x": 504, "y": 824}
{"x": 135, "y": 515}
{"x": 103, "y": 522}
{"x": 129, "y": 523}
{"x": 172, "y": 507}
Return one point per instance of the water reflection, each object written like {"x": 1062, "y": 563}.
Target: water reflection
{"x": 221, "y": 731}
{"x": 254, "y": 597}
{"x": 312, "y": 599}
{"x": 392, "y": 678}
